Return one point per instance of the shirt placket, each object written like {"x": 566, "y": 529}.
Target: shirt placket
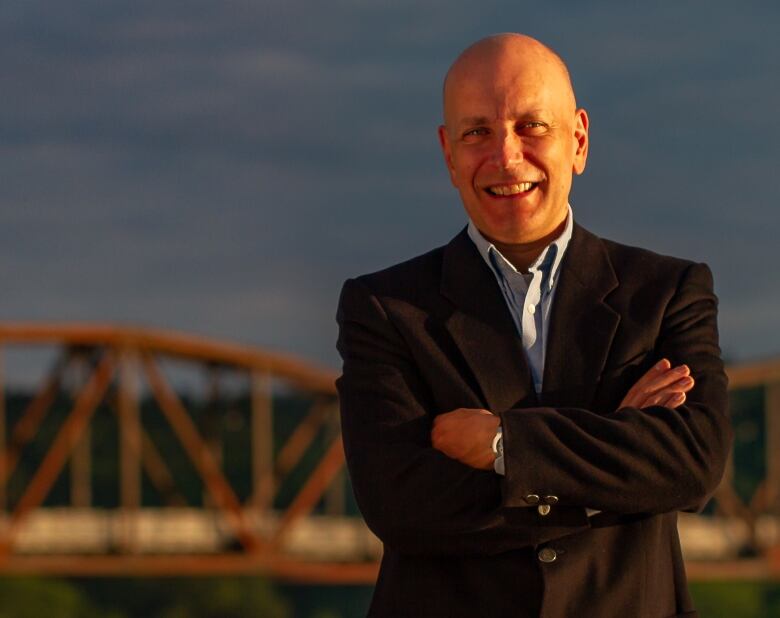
{"x": 532, "y": 321}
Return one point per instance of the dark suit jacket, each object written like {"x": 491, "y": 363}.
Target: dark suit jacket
{"x": 434, "y": 334}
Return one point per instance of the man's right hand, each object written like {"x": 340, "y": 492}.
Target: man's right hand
{"x": 662, "y": 385}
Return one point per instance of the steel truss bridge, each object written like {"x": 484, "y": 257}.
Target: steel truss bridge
{"x": 291, "y": 517}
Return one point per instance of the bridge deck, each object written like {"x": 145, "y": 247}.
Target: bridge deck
{"x": 191, "y": 541}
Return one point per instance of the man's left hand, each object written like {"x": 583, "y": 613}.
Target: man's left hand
{"x": 466, "y": 434}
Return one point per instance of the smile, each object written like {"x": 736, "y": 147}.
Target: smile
{"x": 513, "y": 189}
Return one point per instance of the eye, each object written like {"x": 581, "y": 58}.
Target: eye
{"x": 532, "y": 127}
{"x": 475, "y": 132}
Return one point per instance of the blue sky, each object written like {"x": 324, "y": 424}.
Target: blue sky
{"x": 222, "y": 167}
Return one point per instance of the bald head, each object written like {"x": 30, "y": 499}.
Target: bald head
{"x": 502, "y": 56}
{"x": 513, "y": 138}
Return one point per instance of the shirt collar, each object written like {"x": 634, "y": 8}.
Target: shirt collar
{"x": 554, "y": 251}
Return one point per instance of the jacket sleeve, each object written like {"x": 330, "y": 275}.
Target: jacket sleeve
{"x": 413, "y": 497}
{"x": 632, "y": 460}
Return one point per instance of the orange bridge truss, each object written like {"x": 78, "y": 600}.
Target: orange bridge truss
{"x": 112, "y": 367}
{"x": 312, "y": 535}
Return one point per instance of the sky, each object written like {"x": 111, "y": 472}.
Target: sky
{"x": 221, "y": 168}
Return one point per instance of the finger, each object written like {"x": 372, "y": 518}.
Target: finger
{"x": 686, "y": 384}
{"x": 659, "y": 397}
{"x": 683, "y": 385}
{"x": 659, "y": 368}
{"x": 668, "y": 378}
{"x": 673, "y": 381}
{"x": 659, "y": 379}
{"x": 673, "y": 400}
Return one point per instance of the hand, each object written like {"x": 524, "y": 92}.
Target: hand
{"x": 466, "y": 434}
{"x": 662, "y": 385}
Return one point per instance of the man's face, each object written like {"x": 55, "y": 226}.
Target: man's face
{"x": 512, "y": 141}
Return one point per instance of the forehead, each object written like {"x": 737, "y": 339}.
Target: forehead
{"x": 506, "y": 85}
{"x": 511, "y": 99}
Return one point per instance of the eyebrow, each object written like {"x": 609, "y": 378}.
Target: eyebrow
{"x": 472, "y": 120}
{"x": 531, "y": 114}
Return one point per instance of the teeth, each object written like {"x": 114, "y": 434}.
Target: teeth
{"x": 511, "y": 189}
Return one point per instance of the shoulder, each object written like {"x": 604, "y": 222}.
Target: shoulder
{"x": 415, "y": 280}
{"x": 643, "y": 276}
{"x": 415, "y": 274}
{"x": 641, "y": 264}
{"x": 405, "y": 286}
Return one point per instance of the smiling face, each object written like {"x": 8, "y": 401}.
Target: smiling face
{"x": 512, "y": 137}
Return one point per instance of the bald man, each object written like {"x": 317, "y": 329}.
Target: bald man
{"x": 526, "y": 409}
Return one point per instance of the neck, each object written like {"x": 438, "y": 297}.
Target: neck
{"x": 522, "y": 255}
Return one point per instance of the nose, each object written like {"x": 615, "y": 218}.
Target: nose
{"x": 508, "y": 150}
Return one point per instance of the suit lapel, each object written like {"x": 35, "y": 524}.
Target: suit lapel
{"x": 482, "y": 327}
{"x": 582, "y": 324}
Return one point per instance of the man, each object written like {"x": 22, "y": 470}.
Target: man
{"x": 525, "y": 409}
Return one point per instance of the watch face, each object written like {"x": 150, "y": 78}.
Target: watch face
{"x": 498, "y": 443}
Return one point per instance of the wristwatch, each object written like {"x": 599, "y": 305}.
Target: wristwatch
{"x": 498, "y": 451}
{"x": 498, "y": 443}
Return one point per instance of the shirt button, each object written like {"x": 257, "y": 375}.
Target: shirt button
{"x": 532, "y": 499}
{"x": 544, "y": 509}
{"x": 547, "y": 555}
{"x": 531, "y": 309}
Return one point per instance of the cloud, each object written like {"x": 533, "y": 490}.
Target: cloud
{"x": 223, "y": 168}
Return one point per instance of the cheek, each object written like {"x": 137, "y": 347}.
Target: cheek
{"x": 560, "y": 159}
{"x": 462, "y": 174}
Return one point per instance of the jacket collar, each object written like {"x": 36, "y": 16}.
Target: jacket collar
{"x": 582, "y": 324}
{"x": 482, "y": 327}
{"x": 580, "y": 334}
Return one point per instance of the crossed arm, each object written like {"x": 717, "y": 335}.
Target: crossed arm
{"x": 658, "y": 452}
{"x": 466, "y": 434}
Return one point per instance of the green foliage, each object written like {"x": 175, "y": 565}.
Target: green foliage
{"x": 747, "y": 418}
{"x": 737, "y": 599}
{"x": 33, "y": 598}
{"x": 325, "y": 613}
{"x": 242, "y": 597}
{"x": 226, "y": 598}
{"x": 141, "y": 598}
{"x": 206, "y": 597}
{"x": 227, "y": 422}
{"x": 328, "y": 601}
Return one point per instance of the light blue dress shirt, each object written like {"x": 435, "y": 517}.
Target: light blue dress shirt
{"x": 528, "y": 296}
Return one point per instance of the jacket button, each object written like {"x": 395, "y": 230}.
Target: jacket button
{"x": 544, "y": 509}
{"x": 547, "y": 555}
{"x": 550, "y": 500}
{"x": 532, "y": 499}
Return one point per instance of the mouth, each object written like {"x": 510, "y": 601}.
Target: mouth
{"x": 511, "y": 190}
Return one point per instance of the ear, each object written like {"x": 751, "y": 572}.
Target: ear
{"x": 446, "y": 149}
{"x": 581, "y": 123}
